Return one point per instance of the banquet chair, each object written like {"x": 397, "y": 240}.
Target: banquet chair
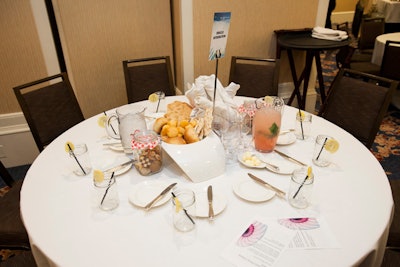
{"x": 148, "y": 75}
{"x": 389, "y": 66}
{"x": 393, "y": 241}
{"x": 12, "y": 231}
{"x": 257, "y": 77}
{"x": 390, "y": 60}
{"x": 371, "y": 27}
{"x": 357, "y": 102}
{"x": 49, "y": 106}
{"x": 349, "y": 53}
{"x": 21, "y": 259}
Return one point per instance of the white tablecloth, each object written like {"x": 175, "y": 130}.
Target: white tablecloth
{"x": 379, "y": 46}
{"x": 390, "y": 10}
{"x": 353, "y": 196}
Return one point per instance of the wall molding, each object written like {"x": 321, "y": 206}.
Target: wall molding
{"x": 12, "y": 123}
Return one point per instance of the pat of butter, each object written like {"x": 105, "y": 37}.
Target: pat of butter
{"x": 250, "y": 159}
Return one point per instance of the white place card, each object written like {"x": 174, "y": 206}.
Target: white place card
{"x": 219, "y": 35}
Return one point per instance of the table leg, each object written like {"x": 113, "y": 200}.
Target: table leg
{"x": 320, "y": 76}
{"x": 296, "y": 82}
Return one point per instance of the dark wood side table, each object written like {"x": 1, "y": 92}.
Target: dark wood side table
{"x": 313, "y": 47}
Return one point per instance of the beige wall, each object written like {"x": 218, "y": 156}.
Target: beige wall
{"x": 250, "y": 32}
{"x": 349, "y": 5}
{"x": 98, "y": 35}
{"x": 21, "y": 58}
{"x": 345, "y": 5}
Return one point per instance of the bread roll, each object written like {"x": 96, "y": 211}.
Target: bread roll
{"x": 159, "y": 123}
{"x": 178, "y": 140}
{"x": 191, "y": 135}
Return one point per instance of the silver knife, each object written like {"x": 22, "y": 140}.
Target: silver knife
{"x": 118, "y": 167}
{"x": 210, "y": 203}
{"x": 289, "y": 158}
{"x": 159, "y": 196}
{"x": 279, "y": 192}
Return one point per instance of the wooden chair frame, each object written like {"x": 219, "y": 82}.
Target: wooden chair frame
{"x": 60, "y": 109}
{"x": 259, "y": 65}
{"x": 342, "y": 94}
{"x": 141, "y": 71}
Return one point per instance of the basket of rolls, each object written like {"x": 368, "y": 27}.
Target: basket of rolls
{"x": 182, "y": 124}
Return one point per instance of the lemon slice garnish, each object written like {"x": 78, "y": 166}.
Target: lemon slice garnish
{"x": 69, "y": 146}
{"x": 309, "y": 171}
{"x": 331, "y": 145}
{"x": 301, "y": 115}
{"x": 98, "y": 176}
{"x": 178, "y": 205}
{"x": 153, "y": 97}
{"x": 102, "y": 121}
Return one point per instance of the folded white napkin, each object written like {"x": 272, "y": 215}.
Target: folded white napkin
{"x": 201, "y": 94}
{"x": 329, "y": 34}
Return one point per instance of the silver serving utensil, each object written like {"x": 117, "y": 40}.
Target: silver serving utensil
{"x": 279, "y": 192}
{"x": 289, "y": 158}
{"x": 158, "y": 197}
{"x": 210, "y": 203}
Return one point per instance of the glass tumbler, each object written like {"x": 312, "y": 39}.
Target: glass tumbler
{"x": 300, "y": 189}
{"x": 183, "y": 204}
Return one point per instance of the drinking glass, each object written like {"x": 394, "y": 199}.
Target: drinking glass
{"x": 228, "y": 128}
{"x": 183, "y": 204}
{"x": 267, "y": 123}
{"x": 80, "y": 160}
{"x": 300, "y": 189}
{"x": 303, "y": 125}
{"x": 107, "y": 193}
{"x": 323, "y": 151}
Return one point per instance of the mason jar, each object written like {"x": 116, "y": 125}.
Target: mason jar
{"x": 147, "y": 154}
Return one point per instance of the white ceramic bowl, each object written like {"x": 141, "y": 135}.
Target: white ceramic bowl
{"x": 207, "y": 154}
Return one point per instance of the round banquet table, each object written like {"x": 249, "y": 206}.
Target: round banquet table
{"x": 65, "y": 228}
{"x": 379, "y": 47}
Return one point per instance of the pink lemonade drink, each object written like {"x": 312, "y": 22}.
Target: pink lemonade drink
{"x": 266, "y": 127}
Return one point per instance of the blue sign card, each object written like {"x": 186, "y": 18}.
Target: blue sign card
{"x": 219, "y": 34}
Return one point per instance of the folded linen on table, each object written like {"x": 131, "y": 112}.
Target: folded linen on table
{"x": 201, "y": 94}
{"x": 329, "y": 34}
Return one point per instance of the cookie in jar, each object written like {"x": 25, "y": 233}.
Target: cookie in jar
{"x": 146, "y": 146}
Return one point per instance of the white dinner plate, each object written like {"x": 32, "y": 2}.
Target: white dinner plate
{"x": 251, "y": 191}
{"x": 117, "y": 147}
{"x": 123, "y": 170}
{"x": 286, "y": 139}
{"x": 219, "y": 204}
{"x": 144, "y": 192}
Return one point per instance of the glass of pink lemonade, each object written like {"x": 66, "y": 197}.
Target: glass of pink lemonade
{"x": 267, "y": 123}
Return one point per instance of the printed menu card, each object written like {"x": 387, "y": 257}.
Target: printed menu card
{"x": 264, "y": 240}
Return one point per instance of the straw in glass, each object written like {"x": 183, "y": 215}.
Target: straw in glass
{"x": 108, "y": 187}
{"x": 323, "y": 145}
{"x": 302, "y": 184}
{"x": 76, "y": 159}
{"x": 301, "y": 123}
